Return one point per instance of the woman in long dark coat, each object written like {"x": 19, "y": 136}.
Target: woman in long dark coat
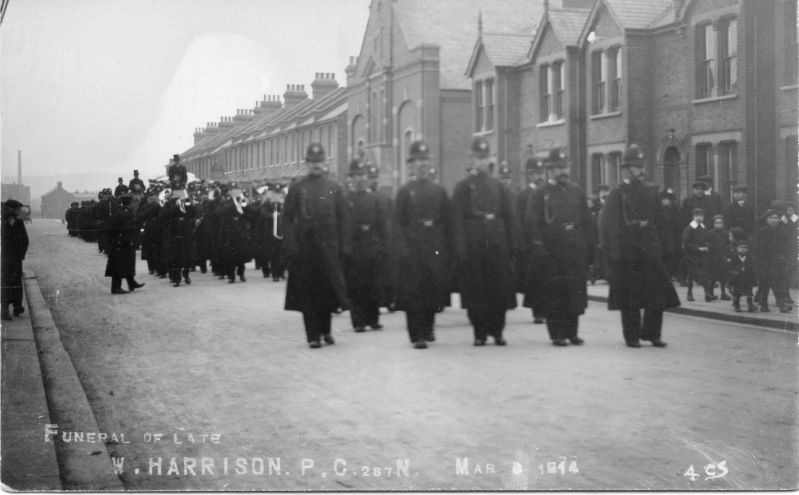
{"x": 122, "y": 230}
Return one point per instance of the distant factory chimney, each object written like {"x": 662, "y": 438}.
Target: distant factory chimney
{"x": 19, "y": 166}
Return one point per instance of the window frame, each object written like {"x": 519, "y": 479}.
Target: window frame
{"x": 615, "y": 72}
{"x": 728, "y": 55}
{"x": 479, "y": 106}
{"x": 706, "y": 48}
{"x": 598, "y": 78}
{"x": 704, "y": 150}
{"x": 545, "y": 91}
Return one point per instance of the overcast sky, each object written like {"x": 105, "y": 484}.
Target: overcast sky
{"x": 108, "y": 86}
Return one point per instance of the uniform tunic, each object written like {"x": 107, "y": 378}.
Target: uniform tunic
{"x": 317, "y": 234}
{"x": 422, "y": 243}
{"x": 632, "y": 229}
{"x": 486, "y": 232}
{"x": 121, "y": 229}
{"x": 558, "y": 230}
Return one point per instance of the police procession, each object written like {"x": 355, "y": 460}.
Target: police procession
{"x": 353, "y": 248}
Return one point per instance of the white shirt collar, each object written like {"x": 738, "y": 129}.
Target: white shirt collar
{"x": 694, "y": 224}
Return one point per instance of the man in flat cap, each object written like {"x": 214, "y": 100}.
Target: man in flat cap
{"x": 369, "y": 244}
{"x": 740, "y": 212}
{"x": 318, "y": 241}
{"x": 486, "y": 237}
{"x": 14, "y": 247}
{"x": 632, "y": 232}
{"x": 422, "y": 243}
{"x": 558, "y": 231}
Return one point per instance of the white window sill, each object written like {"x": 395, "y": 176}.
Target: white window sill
{"x": 713, "y": 99}
{"x": 606, "y": 115}
{"x": 484, "y": 133}
{"x": 789, "y": 87}
{"x": 552, "y": 123}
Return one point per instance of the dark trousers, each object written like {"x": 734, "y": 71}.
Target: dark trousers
{"x": 116, "y": 282}
{"x": 635, "y": 330}
{"x": 317, "y": 323}
{"x": 563, "y": 327}
{"x": 11, "y": 285}
{"x": 420, "y": 324}
{"x": 364, "y": 310}
{"x": 485, "y": 323}
{"x": 234, "y": 269}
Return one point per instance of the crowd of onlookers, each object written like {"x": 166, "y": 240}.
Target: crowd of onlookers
{"x": 730, "y": 248}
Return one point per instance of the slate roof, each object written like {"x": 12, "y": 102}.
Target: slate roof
{"x": 568, "y": 24}
{"x": 640, "y": 14}
{"x": 506, "y": 49}
{"x": 452, "y": 25}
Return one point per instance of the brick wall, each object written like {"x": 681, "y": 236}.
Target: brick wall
{"x": 456, "y": 109}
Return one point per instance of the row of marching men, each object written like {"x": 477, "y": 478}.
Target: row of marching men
{"x": 483, "y": 242}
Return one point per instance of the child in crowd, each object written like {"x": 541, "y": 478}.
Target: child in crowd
{"x": 742, "y": 276}
{"x": 695, "y": 246}
{"x": 718, "y": 242}
{"x": 771, "y": 263}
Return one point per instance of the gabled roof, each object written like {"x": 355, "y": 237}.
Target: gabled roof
{"x": 503, "y": 50}
{"x": 638, "y": 14}
{"x": 566, "y": 24}
{"x": 452, "y": 25}
{"x": 633, "y": 14}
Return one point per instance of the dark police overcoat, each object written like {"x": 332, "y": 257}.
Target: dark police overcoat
{"x": 632, "y": 230}
{"x": 369, "y": 243}
{"x": 121, "y": 231}
{"x": 422, "y": 245}
{"x": 558, "y": 227}
{"x": 485, "y": 234}
{"x": 317, "y": 235}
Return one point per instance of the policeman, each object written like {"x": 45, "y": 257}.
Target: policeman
{"x": 369, "y": 243}
{"x": 632, "y": 232}
{"x": 121, "y": 231}
{"x": 71, "y": 216}
{"x": 560, "y": 244}
{"x": 486, "y": 235}
{"x": 530, "y": 283}
{"x": 317, "y": 240}
{"x": 422, "y": 243}
{"x": 385, "y": 268}
{"x": 102, "y": 214}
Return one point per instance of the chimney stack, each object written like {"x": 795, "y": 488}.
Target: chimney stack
{"x": 324, "y": 83}
{"x": 199, "y": 135}
{"x": 350, "y": 70}
{"x": 270, "y": 104}
{"x": 295, "y": 93}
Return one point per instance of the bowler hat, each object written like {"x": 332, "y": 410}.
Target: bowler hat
{"x": 633, "y": 157}
{"x": 419, "y": 151}
{"x": 315, "y": 153}
{"x": 176, "y": 157}
{"x": 706, "y": 179}
{"x": 556, "y": 158}
{"x": 480, "y": 147}
{"x": 13, "y": 204}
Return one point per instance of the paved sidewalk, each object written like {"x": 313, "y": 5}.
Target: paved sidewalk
{"x": 28, "y": 462}
{"x": 718, "y": 309}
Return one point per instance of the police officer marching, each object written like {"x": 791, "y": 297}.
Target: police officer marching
{"x": 369, "y": 242}
{"x": 422, "y": 242}
{"x": 632, "y": 232}
{"x": 486, "y": 235}
{"x": 558, "y": 233}
{"x": 317, "y": 240}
